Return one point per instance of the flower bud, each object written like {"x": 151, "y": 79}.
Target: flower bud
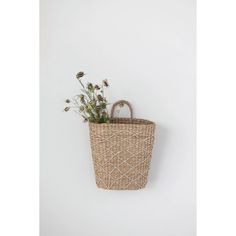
{"x": 80, "y": 75}
{"x": 90, "y": 86}
{"x": 100, "y": 98}
{"x": 96, "y": 87}
{"x": 105, "y": 83}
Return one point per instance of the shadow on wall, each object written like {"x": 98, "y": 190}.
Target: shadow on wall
{"x": 157, "y": 155}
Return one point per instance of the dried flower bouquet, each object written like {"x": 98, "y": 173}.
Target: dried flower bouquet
{"x": 91, "y": 104}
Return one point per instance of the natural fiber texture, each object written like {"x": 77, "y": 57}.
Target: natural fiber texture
{"x": 121, "y": 151}
{"x": 121, "y": 103}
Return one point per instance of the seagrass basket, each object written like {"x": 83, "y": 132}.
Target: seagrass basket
{"x": 121, "y": 151}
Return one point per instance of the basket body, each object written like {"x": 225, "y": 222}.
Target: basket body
{"x": 121, "y": 152}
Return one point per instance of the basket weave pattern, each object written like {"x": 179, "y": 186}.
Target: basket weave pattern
{"x": 121, "y": 152}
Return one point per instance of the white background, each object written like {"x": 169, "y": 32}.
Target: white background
{"x": 147, "y": 52}
{"x": 20, "y": 127}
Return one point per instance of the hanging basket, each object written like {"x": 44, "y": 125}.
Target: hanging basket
{"x": 121, "y": 151}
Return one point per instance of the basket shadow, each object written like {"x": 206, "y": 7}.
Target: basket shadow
{"x": 157, "y": 154}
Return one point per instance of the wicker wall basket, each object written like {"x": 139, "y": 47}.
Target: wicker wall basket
{"x": 121, "y": 151}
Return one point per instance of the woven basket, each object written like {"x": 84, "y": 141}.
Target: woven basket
{"x": 121, "y": 151}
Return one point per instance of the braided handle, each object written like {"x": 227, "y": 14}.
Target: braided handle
{"x": 121, "y": 103}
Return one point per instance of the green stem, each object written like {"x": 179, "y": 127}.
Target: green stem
{"x": 81, "y": 84}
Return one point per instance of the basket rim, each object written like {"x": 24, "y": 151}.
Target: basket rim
{"x": 148, "y": 122}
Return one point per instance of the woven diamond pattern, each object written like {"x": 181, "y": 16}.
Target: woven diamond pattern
{"x": 121, "y": 152}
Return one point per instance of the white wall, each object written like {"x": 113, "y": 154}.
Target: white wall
{"x": 146, "y": 49}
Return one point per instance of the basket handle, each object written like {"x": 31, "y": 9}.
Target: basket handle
{"x": 121, "y": 103}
